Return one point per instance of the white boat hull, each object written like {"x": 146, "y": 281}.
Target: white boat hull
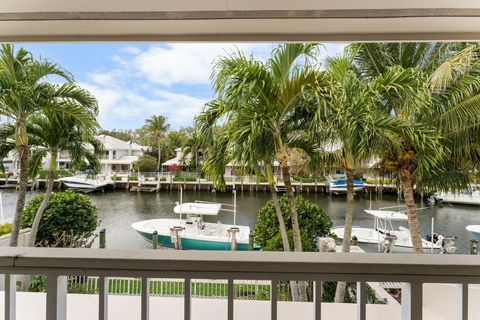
{"x": 458, "y": 198}
{"x": 371, "y": 238}
{"x": 83, "y": 183}
{"x": 474, "y": 230}
{"x": 213, "y": 236}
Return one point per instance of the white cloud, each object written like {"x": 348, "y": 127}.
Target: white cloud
{"x": 187, "y": 63}
{"x": 148, "y": 81}
{"x": 121, "y": 108}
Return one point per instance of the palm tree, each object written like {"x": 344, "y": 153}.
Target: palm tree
{"x": 447, "y": 101}
{"x": 157, "y": 126}
{"x": 49, "y": 135}
{"x": 25, "y": 91}
{"x": 349, "y": 120}
{"x": 270, "y": 91}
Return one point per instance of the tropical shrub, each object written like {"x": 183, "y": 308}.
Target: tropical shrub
{"x": 146, "y": 163}
{"x": 60, "y": 173}
{"x": 5, "y": 228}
{"x": 66, "y": 213}
{"x": 312, "y": 219}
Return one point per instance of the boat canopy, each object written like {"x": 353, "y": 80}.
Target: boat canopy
{"x": 344, "y": 183}
{"x": 208, "y": 209}
{"x": 388, "y": 214}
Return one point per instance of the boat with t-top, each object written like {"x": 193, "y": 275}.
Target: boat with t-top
{"x": 384, "y": 237}
{"x": 193, "y": 232}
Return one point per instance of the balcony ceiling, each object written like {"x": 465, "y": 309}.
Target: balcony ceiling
{"x": 239, "y": 20}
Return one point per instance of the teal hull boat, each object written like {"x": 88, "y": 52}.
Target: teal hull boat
{"x": 195, "y": 244}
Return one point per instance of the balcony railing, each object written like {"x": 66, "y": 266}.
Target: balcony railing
{"x": 413, "y": 270}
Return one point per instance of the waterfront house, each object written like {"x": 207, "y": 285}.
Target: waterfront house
{"x": 119, "y": 156}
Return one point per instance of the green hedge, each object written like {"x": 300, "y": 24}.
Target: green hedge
{"x": 68, "y": 212}
{"x": 61, "y": 173}
{"x": 5, "y": 228}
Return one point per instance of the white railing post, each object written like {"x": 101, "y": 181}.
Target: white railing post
{"x": 317, "y": 300}
{"x": 462, "y": 301}
{"x": 10, "y": 296}
{"x": 412, "y": 301}
{"x": 230, "y": 297}
{"x": 273, "y": 299}
{"x": 145, "y": 296}
{"x": 361, "y": 301}
{"x": 103, "y": 298}
{"x": 187, "y": 297}
{"x": 56, "y": 297}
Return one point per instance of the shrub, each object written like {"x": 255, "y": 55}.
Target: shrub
{"x": 312, "y": 219}
{"x": 132, "y": 178}
{"x": 5, "y": 228}
{"x": 60, "y": 173}
{"x": 146, "y": 163}
{"x": 66, "y": 212}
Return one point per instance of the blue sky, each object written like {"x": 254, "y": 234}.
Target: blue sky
{"x": 132, "y": 81}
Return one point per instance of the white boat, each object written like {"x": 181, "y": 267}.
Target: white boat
{"x": 474, "y": 229}
{"x": 469, "y": 196}
{"x": 193, "y": 232}
{"x": 383, "y": 227}
{"x": 84, "y": 182}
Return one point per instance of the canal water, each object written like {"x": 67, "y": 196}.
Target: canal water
{"x": 119, "y": 209}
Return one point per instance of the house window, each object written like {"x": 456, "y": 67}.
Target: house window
{"x": 105, "y": 155}
{"x": 114, "y": 154}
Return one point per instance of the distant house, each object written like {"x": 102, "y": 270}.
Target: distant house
{"x": 180, "y": 160}
{"x": 118, "y": 156}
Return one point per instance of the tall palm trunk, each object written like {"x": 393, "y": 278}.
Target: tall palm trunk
{"x": 46, "y": 199}
{"x": 347, "y": 233}
{"x": 22, "y": 193}
{"x": 297, "y": 237}
{"x": 159, "y": 163}
{"x": 406, "y": 183}
{"x": 281, "y": 222}
{"x": 278, "y": 209}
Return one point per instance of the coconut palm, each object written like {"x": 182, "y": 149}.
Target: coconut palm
{"x": 450, "y": 72}
{"x": 49, "y": 134}
{"x": 349, "y": 121}
{"x": 157, "y": 126}
{"x": 24, "y": 91}
{"x": 270, "y": 91}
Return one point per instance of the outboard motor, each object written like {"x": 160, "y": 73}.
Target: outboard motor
{"x": 433, "y": 239}
{"x": 447, "y": 244}
{"x": 388, "y": 243}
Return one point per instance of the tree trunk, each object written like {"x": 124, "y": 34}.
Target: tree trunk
{"x": 297, "y": 238}
{"x": 278, "y": 209}
{"x": 406, "y": 183}
{"x": 22, "y": 194}
{"x": 347, "y": 233}
{"x": 46, "y": 199}
{"x": 159, "y": 156}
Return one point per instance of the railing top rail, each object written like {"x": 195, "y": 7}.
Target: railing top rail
{"x": 257, "y": 265}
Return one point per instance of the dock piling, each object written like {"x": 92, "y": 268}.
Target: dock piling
{"x": 155, "y": 239}
{"x": 103, "y": 238}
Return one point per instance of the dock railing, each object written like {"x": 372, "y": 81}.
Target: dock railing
{"x": 274, "y": 267}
